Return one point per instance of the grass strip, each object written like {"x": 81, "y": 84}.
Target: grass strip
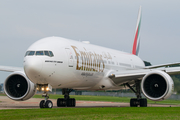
{"x": 93, "y": 113}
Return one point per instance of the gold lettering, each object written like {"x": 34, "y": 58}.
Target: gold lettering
{"x": 90, "y": 61}
{"x": 78, "y": 56}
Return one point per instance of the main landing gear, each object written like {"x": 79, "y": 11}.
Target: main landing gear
{"x": 134, "y": 102}
{"x": 66, "y": 101}
{"x": 46, "y": 103}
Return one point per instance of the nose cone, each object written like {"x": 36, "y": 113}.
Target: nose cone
{"x": 32, "y": 68}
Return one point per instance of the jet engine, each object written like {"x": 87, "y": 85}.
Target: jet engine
{"x": 18, "y": 87}
{"x": 157, "y": 85}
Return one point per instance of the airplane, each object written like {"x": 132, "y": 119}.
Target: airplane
{"x": 56, "y": 62}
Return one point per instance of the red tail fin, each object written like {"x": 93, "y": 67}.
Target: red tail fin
{"x": 136, "y": 44}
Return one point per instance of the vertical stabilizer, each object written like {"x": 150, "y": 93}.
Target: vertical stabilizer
{"x": 136, "y": 43}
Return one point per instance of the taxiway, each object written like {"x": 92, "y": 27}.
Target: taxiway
{"x": 6, "y": 103}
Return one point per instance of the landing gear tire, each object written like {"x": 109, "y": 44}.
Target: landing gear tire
{"x": 71, "y": 102}
{"x": 134, "y": 102}
{"x": 41, "y": 104}
{"x": 143, "y": 102}
{"x": 61, "y": 102}
{"x": 47, "y": 104}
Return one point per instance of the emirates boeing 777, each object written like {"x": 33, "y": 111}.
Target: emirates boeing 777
{"x": 56, "y": 62}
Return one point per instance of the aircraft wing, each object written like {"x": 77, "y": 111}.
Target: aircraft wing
{"x": 10, "y": 69}
{"x": 120, "y": 78}
{"x": 163, "y": 65}
{"x": 124, "y": 77}
{"x": 171, "y": 70}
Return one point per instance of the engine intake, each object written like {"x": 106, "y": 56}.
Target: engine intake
{"x": 157, "y": 85}
{"x": 18, "y": 87}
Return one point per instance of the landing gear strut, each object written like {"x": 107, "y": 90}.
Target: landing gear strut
{"x": 134, "y": 102}
{"x": 66, "y": 101}
{"x": 46, "y": 103}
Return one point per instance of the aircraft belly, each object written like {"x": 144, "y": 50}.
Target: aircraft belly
{"x": 88, "y": 79}
{"x": 75, "y": 79}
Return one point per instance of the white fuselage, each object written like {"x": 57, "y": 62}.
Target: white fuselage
{"x": 76, "y": 65}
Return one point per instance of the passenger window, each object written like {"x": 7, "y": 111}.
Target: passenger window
{"x": 39, "y": 53}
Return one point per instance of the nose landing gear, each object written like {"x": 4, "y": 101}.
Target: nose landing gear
{"x": 46, "y": 103}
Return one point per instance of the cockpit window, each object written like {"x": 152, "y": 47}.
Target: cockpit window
{"x": 51, "y": 54}
{"x": 29, "y": 53}
{"x": 39, "y": 53}
{"x": 46, "y": 53}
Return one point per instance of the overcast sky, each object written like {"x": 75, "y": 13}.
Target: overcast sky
{"x": 108, "y": 23}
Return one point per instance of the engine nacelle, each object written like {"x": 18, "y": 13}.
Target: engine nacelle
{"x": 157, "y": 85}
{"x": 18, "y": 87}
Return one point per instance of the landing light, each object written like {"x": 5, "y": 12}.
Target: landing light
{"x": 42, "y": 89}
{"x": 47, "y": 89}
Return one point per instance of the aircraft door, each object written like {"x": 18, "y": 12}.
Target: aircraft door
{"x": 70, "y": 57}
